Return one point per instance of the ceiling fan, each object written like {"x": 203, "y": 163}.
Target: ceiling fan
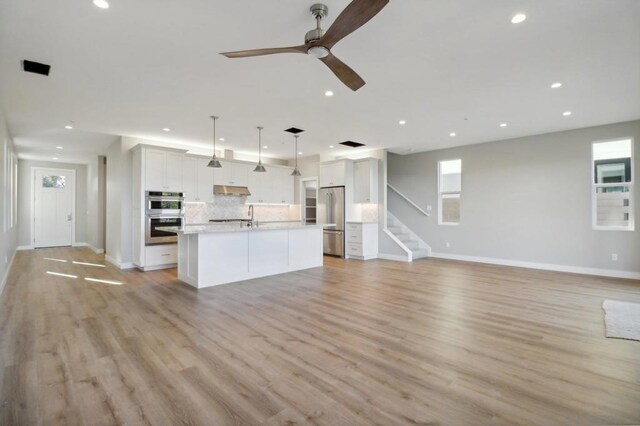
{"x": 318, "y": 42}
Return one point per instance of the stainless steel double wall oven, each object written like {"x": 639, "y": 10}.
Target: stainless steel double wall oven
{"x": 162, "y": 209}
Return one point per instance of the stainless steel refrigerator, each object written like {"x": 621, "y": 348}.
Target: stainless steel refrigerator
{"x": 331, "y": 207}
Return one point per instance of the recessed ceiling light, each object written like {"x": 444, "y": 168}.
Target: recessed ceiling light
{"x": 331, "y": 146}
{"x": 265, "y": 147}
{"x": 102, "y": 4}
{"x": 68, "y": 127}
{"x": 328, "y": 93}
{"x": 402, "y": 122}
{"x": 166, "y": 129}
{"x": 58, "y": 147}
{"x": 518, "y": 18}
{"x": 221, "y": 139}
{"x": 452, "y": 134}
{"x": 556, "y": 85}
{"x": 503, "y": 124}
{"x": 300, "y": 153}
{"x": 566, "y": 113}
{"x": 55, "y": 158}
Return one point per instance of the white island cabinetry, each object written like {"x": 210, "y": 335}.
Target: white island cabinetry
{"x": 211, "y": 255}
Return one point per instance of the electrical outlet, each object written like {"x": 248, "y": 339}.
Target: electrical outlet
{"x": 614, "y": 257}
{"x": 447, "y": 244}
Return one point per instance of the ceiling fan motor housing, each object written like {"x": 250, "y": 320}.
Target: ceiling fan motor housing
{"x": 319, "y": 11}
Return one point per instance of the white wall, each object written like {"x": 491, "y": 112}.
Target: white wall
{"x": 119, "y": 222}
{"x": 8, "y": 227}
{"x": 525, "y": 199}
{"x": 96, "y": 200}
{"x": 25, "y": 195}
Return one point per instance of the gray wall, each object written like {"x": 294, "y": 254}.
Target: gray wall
{"x": 25, "y": 189}
{"x": 525, "y": 199}
{"x": 8, "y": 231}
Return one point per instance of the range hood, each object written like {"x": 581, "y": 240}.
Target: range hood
{"x": 238, "y": 191}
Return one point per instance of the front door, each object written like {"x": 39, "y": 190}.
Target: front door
{"x": 54, "y": 210}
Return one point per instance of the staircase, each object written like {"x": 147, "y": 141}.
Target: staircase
{"x": 405, "y": 238}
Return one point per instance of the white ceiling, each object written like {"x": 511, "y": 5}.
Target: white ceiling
{"x": 442, "y": 65}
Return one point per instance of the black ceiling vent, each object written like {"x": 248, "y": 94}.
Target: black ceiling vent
{"x": 36, "y": 67}
{"x": 294, "y": 130}
{"x": 352, "y": 144}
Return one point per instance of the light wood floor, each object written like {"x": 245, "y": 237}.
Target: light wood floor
{"x": 378, "y": 342}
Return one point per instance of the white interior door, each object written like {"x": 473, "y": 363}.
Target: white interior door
{"x": 54, "y": 207}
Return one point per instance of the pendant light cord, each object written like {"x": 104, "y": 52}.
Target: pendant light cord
{"x": 214, "y": 118}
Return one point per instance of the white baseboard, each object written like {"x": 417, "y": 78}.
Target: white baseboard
{"x": 545, "y": 266}
{"x": 95, "y": 250}
{"x": 397, "y": 257}
{"x": 6, "y": 273}
{"x": 24, "y": 248}
{"x": 125, "y": 265}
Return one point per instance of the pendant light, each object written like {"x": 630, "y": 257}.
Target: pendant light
{"x": 295, "y": 171}
{"x": 260, "y": 168}
{"x": 214, "y": 161}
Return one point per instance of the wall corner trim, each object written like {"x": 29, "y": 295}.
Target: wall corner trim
{"x": 612, "y": 273}
{"x": 116, "y": 263}
{"x": 6, "y": 275}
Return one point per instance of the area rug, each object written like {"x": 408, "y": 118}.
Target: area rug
{"x": 622, "y": 319}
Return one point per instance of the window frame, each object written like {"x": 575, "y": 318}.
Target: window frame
{"x": 441, "y": 193}
{"x": 595, "y": 186}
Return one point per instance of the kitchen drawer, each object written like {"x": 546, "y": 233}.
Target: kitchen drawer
{"x": 164, "y": 254}
{"x": 354, "y": 227}
{"x": 354, "y": 249}
{"x": 354, "y": 237}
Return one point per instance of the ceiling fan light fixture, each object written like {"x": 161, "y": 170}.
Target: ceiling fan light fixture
{"x": 318, "y": 52}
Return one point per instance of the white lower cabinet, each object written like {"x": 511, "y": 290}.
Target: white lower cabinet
{"x": 160, "y": 255}
{"x": 362, "y": 240}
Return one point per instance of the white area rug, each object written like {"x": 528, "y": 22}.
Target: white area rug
{"x": 622, "y": 319}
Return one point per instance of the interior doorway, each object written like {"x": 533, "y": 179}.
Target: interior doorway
{"x": 308, "y": 199}
{"x": 54, "y": 216}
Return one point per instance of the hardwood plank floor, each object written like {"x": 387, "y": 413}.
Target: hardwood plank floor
{"x": 378, "y": 342}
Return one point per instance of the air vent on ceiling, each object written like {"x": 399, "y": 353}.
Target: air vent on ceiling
{"x": 36, "y": 67}
{"x": 352, "y": 144}
{"x": 294, "y": 130}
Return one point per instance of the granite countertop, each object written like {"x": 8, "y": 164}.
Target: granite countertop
{"x": 235, "y": 227}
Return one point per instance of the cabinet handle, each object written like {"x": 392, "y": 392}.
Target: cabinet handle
{"x": 166, "y": 254}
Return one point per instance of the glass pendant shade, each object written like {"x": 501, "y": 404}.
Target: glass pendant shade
{"x": 259, "y": 167}
{"x": 214, "y": 161}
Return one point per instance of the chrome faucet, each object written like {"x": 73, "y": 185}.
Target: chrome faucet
{"x": 250, "y": 214}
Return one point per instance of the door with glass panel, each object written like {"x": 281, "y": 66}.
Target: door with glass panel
{"x": 54, "y": 211}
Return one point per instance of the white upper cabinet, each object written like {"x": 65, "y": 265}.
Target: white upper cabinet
{"x": 163, "y": 171}
{"x": 231, "y": 174}
{"x": 275, "y": 186}
{"x": 332, "y": 174}
{"x": 204, "y": 175}
{"x": 197, "y": 179}
{"x": 365, "y": 181}
{"x": 189, "y": 179}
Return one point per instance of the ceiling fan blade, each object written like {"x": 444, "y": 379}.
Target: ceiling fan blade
{"x": 262, "y": 52}
{"x": 348, "y": 76}
{"x": 355, "y": 15}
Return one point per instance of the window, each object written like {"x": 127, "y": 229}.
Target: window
{"x": 449, "y": 191}
{"x": 54, "y": 182}
{"x": 612, "y": 185}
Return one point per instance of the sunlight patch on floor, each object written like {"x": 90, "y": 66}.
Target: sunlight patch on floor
{"x": 88, "y": 264}
{"x": 58, "y": 274}
{"x": 55, "y": 260}
{"x": 96, "y": 280}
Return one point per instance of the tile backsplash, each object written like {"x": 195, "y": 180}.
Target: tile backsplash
{"x": 229, "y": 207}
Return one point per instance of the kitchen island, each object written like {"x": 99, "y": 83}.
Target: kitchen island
{"x": 215, "y": 254}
